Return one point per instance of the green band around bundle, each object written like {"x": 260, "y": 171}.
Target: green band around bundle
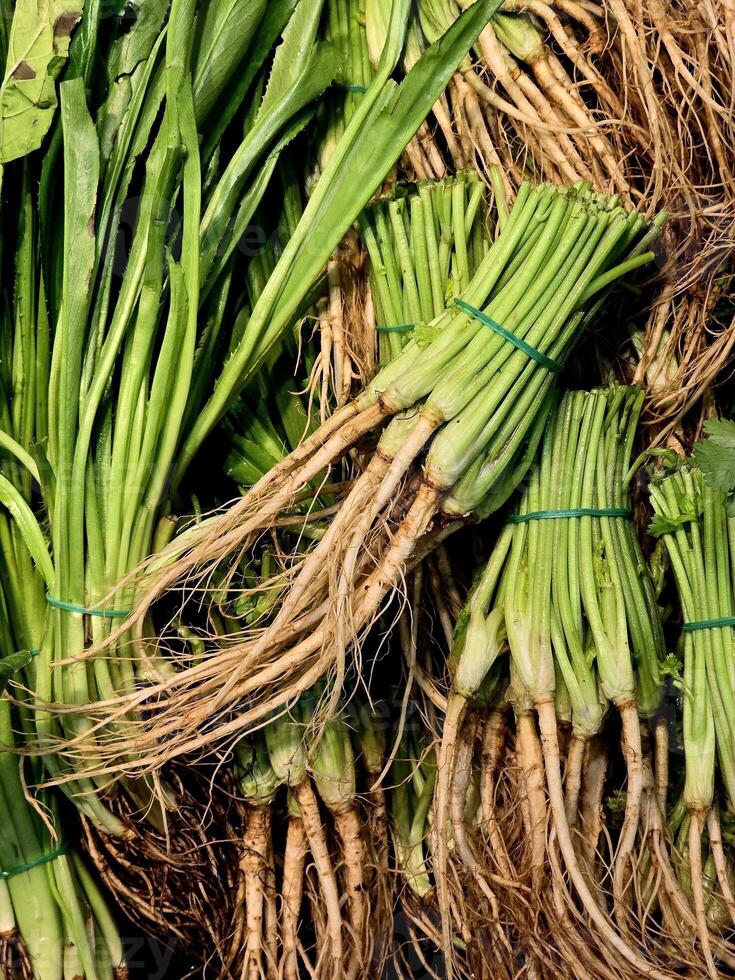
{"x": 359, "y": 89}
{"x": 72, "y": 607}
{"x": 44, "y": 859}
{"x": 709, "y": 624}
{"x": 396, "y": 328}
{"x": 550, "y": 515}
{"x": 548, "y": 362}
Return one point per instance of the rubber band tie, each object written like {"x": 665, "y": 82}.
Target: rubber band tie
{"x": 44, "y": 859}
{"x": 709, "y": 624}
{"x": 359, "y": 89}
{"x": 548, "y": 362}
{"x": 71, "y": 607}
{"x": 549, "y": 515}
{"x": 396, "y": 328}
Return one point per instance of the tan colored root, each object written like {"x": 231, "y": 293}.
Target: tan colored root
{"x": 292, "y": 891}
{"x": 207, "y": 546}
{"x": 661, "y": 760}
{"x": 493, "y": 745}
{"x": 608, "y": 935}
{"x": 718, "y": 853}
{"x": 456, "y": 707}
{"x": 466, "y": 849}
{"x": 270, "y": 926}
{"x": 314, "y": 829}
{"x": 626, "y": 843}
{"x": 349, "y": 830}
{"x": 696, "y": 823}
{"x": 442, "y": 115}
{"x": 254, "y": 867}
{"x": 565, "y": 101}
{"x": 15, "y": 963}
{"x": 530, "y": 759}
{"x": 575, "y": 764}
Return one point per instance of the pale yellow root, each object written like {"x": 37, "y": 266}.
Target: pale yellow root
{"x": 418, "y": 160}
{"x": 431, "y": 151}
{"x": 324, "y": 366}
{"x": 292, "y": 891}
{"x": 495, "y": 60}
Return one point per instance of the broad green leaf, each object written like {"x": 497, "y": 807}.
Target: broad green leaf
{"x": 224, "y": 36}
{"x": 37, "y": 49}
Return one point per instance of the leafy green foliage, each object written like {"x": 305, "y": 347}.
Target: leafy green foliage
{"x": 715, "y": 456}
{"x": 11, "y": 664}
{"x": 226, "y": 31}
{"x": 38, "y": 47}
{"x": 686, "y": 509}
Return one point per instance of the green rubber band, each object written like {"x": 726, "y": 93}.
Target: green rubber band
{"x": 397, "y": 328}
{"x": 549, "y": 515}
{"x": 709, "y": 624}
{"x": 71, "y": 607}
{"x": 44, "y": 859}
{"x": 548, "y": 362}
{"x": 360, "y": 89}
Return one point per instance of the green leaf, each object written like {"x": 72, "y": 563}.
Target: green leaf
{"x": 386, "y": 120}
{"x": 663, "y": 524}
{"x": 129, "y": 68}
{"x": 29, "y": 528}
{"x": 293, "y": 53}
{"x": 715, "y": 456}
{"x": 38, "y": 47}
{"x": 11, "y": 664}
{"x": 225, "y": 34}
{"x": 275, "y": 19}
{"x": 217, "y": 223}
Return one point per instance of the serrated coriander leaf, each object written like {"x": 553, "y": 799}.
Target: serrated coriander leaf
{"x": 663, "y": 524}
{"x": 715, "y": 455}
